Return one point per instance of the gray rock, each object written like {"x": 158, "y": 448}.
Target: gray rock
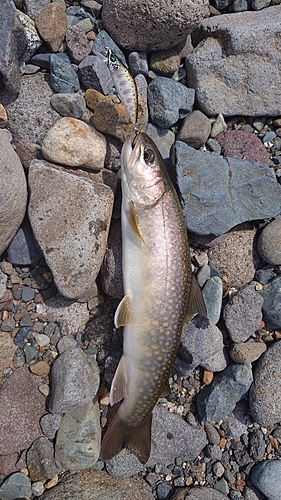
{"x": 240, "y": 5}
{"x": 34, "y": 7}
{"x": 63, "y": 77}
{"x": 266, "y": 476}
{"x": 265, "y": 395}
{"x": 259, "y": 4}
{"x": 50, "y": 424}
{"x": 78, "y": 438}
{"x": 12, "y": 46}
{"x": 40, "y": 460}
{"x": 102, "y": 41}
{"x": 31, "y": 114}
{"x": 236, "y": 423}
{"x": 163, "y": 138}
{"x": 200, "y": 341}
{"x": 96, "y": 485}
{"x": 247, "y": 352}
{"x": 271, "y": 294}
{"x": 23, "y": 250}
{"x": 221, "y": 56}
{"x": 252, "y": 493}
{"x": 93, "y": 7}
{"x": 146, "y": 25}
{"x": 94, "y": 74}
{"x": 17, "y": 485}
{"x": 195, "y": 129}
{"x": 212, "y": 433}
{"x": 168, "y": 101}
{"x": 257, "y": 445}
{"x": 138, "y": 63}
{"x": 203, "y": 274}
{"x": 73, "y": 240}
{"x": 220, "y": 193}
{"x": 72, "y": 105}
{"x": 217, "y": 400}
{"x": 74, "y": 380}
{"x": 198, "y": 493}
{"x": 243, "y": 314}
{"x": 269, "y": 242}
{"x": 13, "y": 192}
{"x": 212, "y": 294}
{"x": 71, "y": 316}
{"x": 171, "y": 436}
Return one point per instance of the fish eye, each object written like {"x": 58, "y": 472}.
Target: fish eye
{"x": 149, "y": 156}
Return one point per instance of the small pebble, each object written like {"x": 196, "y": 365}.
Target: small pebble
{"x": 37, "y": 488}
{"x": 222, "y": 486}
{"x": 41, "y": 368}
{"x": 27, "y": 294}
{"x": 42, "y": 339}
{"x": 22, "y": 333}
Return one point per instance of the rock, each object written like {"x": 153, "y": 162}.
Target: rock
{"x": 257, "y": 445}
{"x": 243, "y": 314}
{"x": 198, "y": 493}
{"x": 63, "y": 76}
{"x": 3, "y": 117}
{"x": 50, "y": 424}
{"x": 74, "y": 380}
{"x": 34, "y": 7}
{"x": 8, "y": 464}
{"x": 22, "y": 405}
{"x": 163, "y": 138}
{"x": 73, "y": 143}
{"x": 269, "y": 242}
{"x": 71, "y": 105}
{"x": 147, "y": 25}
{"x": 234, "y": 255}
{"x": 8, "y": 349}
{"x": 3, "y": 284}
{"x": 12, "y": 47}
{"x": 252, "y": 493}
{"x": 271, "y": 294}
{"x": 220, "y": 193}
{"x": 94, "y": 74}
{"x": 165, "y": 62}
{"x": 221, "y": 56}
{"x": 218, "y": 126}
{"x": 33, "y": 39}
{"x": 200, "y": 341}
{"x": 138, "y": 63}
{"x": 73, "y": 240}
{"x": 41, "y": 368}
{"x": 212, "y": 433}
{"x": 13, "y": 192}
{"x": 52, "y": 25}
{"x": 217, "y": 400}
{"x": 17, "y": 485}
{"x": 168, "y": 101}
{"x": 71, "y": 316}
{"x": 243, "y": 146}
{"x": 195, "y": 129}
{"x": 111, "y": 117}
{"x": 77, "y": 44}
{"x": 23, "y": 250}
{"x": 27, "y": 151}
{"x": 170, "y": 436}
{"x": 30, "y": 115}
{"x": 93, "y": 485}
{"x": 212, "y": 295}
{"x": 27, "y": 294}
{"x": 247, "y": 352}
{"x": 266, "y": 477}
{"x": 78, "y": 438}
{"x": 40, "y": 460}
{"x": 111, "y": 269}
{"x": 264, "y": 397}
{"x": 259, "y": 4}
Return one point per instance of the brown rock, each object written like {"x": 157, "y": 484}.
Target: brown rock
{"x": 7, "y": 349}
{"x": 77, "y": 44}
{"x": 52, "y": 25}
{"x": 21, "y": 408}
{"x": 235, "y": 256}
{"x": 243, "y": 146}
{"x": 165, "y": 62}
{"x": 41, "y": 368}
{"x": 3, "y": 116}
{"x": 92, "y": 97}
{"x": 195, "y": 129}
{"x": 27, "y": 151}
{"x": 247, "y": 352}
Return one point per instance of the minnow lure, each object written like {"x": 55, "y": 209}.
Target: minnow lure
{"x": 124, "y": 83}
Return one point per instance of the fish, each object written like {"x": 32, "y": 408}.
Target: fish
{"x": 124, "y": 83}
{"x": 158, "y": 296}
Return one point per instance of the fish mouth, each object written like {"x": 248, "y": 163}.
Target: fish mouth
{"x": 132, "y": 152}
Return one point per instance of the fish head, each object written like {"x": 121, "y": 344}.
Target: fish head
{"x": 144, "y": 176}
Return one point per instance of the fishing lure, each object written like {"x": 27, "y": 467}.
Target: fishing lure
{"x": 124, "y": 83}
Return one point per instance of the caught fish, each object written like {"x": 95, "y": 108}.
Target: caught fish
{"x": 157, "y": 282}
{"x": 124, "y": 83}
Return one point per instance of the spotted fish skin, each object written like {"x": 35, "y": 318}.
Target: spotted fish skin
{"x": 157, "y": 282}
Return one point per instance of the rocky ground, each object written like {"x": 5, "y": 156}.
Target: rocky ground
{"x": 208, "y": 79}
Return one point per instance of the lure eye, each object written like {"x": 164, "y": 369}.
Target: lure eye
{"x": 149, "y": 156}
{"x": 113, "y": 58}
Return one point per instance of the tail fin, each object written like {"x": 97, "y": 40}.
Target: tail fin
{"x": 120, "y": 435}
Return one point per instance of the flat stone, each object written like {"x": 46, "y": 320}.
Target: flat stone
{"x": 93, "y": 73}
{"x": 52, "y": 25}
{"x": 18, "y": 485}
{"x": 220, "y": 193}
{"x": 257, "y": 445}
{"x": 73, "y": 240}
{"x": 247, "y": 352}
{"x": 157, "y": 28}
{"x": 64, "y": 79}
{"x": 241, "y": 49}
{"x": 41, "y": 368}
{"x": 21, "y": 409}
{"x": 92, "y": 484}
{"x": 269, "y": 243}
{"x": 40, "y": 460}
{"x": 73, "y": 143}
{"x": 265, "y": 397}
{"x": 243, "y": 146}
{"x": 271, "y": 306}
{"x": 243, "y": 314}
{"x": 195, "y": 129}
{"x": 217, "y": 400}
{"x": 75, "y": 381}
{"x": 71, "y": 105}
{"x": 266, "y": 477}
{"x": 78, "y": 438}
{"x": 50, "y": 424}
{"x": 212, "y": 294}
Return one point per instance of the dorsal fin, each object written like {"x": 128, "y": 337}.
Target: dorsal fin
{"x": 196, "y": 304}
{"x": 124, "y": 314}
{"x": 118, "y": 389}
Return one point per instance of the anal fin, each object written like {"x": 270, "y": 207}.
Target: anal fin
{"x": 124, "y": 314}
{"x": 196, "y": 304}
{"x": 119, "y": 383}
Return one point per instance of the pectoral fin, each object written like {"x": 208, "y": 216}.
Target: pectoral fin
{"x": 196, "y": 304}
{"x": 119, "y": 383}
{"x": 124, "y": 314}
{"x": 133, "y": 220}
